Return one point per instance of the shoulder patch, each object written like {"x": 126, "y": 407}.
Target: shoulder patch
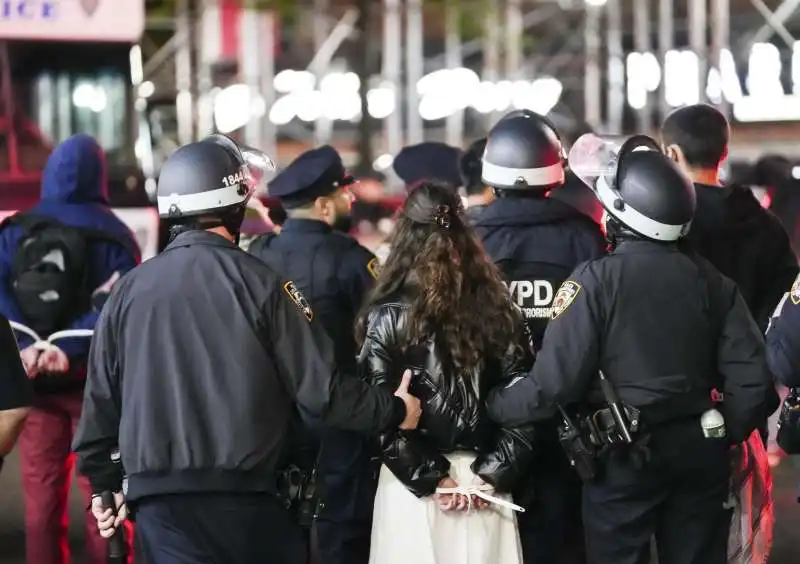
{"x": 794, "y": 293}
{"x": 299, "y": 300}
{"x": 566, "y": 294}
{"x": 374, "y": 268}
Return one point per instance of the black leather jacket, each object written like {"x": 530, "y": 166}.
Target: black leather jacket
{"x": 453, "y": 411}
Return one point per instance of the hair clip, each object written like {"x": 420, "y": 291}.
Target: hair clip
{"x": 442, "y": 216}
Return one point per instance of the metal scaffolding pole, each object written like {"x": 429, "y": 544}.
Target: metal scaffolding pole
{"x": 592, "y": 79}
{"x": 392, "y": 59}
{"x": 323, "y": 127}
{"x": 720, "y": 39}
{"x": 513, "y": 37}
{"x": 642, "y": 44}
{"x": 616, "y": 68}
{"x": 491, "y": 52}
{"x": 267, "y": 27}
{"x": 454, "y": 125}
{"x": 210, "y": 51}
{"x": 666, "y": 41}
{"x": 250, "y": 54}
{"x": 415, "y": 64}
{"x": 698, "y": 41}
{"x": 184, "y": 101}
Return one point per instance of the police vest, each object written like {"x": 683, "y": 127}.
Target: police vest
{"x": 533, "y": 287}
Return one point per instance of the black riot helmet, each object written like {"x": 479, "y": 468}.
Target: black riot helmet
{"x": 210, "y": 177}
{"x": 523, "y": 152}
{"x": 639, "y": 186}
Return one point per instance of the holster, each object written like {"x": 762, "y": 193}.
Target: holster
{"x": 297, "y": 490}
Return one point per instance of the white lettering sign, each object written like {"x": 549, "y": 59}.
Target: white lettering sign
{"x": 540, "y": 290}
{"x": 72, "y": 20}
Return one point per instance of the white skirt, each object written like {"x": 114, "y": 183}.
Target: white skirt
{"x": 410, "y": 530}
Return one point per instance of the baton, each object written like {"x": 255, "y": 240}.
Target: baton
{"x": 616, "y": 409}
{"x": 117, "y": 549}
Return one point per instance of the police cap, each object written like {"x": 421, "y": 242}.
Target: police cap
{"x": 314, "y": 174}
{"x": 523, "y": 151}
{"x": 428, "y": 161}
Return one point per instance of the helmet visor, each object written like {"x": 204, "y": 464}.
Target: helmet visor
{"x": 259, "y": 168}
{"x": 593, "y": 157}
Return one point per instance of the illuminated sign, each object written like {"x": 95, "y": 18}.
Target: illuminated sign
{"x": 765, "y": 100}
{"x": 72, "y": 20}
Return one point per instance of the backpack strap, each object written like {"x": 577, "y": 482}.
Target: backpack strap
{"x": 30, "y": 223}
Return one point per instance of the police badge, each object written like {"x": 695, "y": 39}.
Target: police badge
{"x": 794, "y": 293}
{"x": 90, "y": 6}
{"x": 299, "y": 300}
{"x": 564, "y": 297}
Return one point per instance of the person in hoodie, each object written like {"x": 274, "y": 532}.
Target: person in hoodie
{"x": 537, "y": 240}
{"x": 74, "y": 193}
{"x": 731, "y": 229}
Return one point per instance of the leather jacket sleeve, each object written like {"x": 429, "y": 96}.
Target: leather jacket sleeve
{"x": 509, "y": 461}
{"x": 408, "y": 455}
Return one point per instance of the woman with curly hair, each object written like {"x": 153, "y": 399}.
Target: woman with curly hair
{"x": 440, "y": 308}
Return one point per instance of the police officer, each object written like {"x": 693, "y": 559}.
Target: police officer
{"x": 431, "y": 161}
{"x": 205, "y": 349}
{"x": 783, "y": 339}
{"x": 335, "y": 273}
{"x": 664, "y": 328}
{"x": 537, "y": 241}
{"x": 470, "y": 166}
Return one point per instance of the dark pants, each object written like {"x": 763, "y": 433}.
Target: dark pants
{"x": 551, "y": 531}
{"x": 218, "y": 529}
{"x": 677, "y": 494}
{"x": 349, "y": 481}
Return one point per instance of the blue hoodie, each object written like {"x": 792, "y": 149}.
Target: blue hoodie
{"x": 74, "y": 191}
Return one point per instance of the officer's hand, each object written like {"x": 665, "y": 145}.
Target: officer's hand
{"x": 30, "y": 360}
{"x": 479, "y": 502}
{"x": 53, "y": 361}
{"x": 413, "y": 406}
{"x": 107, "y": 523}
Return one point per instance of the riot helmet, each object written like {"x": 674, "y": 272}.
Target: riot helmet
{"x": 523, "y": 152}
{"x": 637, "y": 185}
{"x": 208, "y": 183}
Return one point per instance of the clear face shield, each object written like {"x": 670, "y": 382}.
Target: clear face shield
{"x": 596, "y": 159}
{"x": 259, "y": 168}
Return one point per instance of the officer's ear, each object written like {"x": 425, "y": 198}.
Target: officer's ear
{"x": 675, "y": 154}
{"x": 324, "y": 206}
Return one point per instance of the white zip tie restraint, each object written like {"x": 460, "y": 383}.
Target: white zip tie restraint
{"x": 481, "y": 492}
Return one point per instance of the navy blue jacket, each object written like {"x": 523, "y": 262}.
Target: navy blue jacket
{"x": 783, "y": 339}
{"x": 74, "y": 192}
{"x": 537, "y": 243}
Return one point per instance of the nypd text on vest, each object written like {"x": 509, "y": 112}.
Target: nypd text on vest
{"x": 534, "y": 297}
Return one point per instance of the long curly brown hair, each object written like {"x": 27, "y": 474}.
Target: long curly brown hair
{"x": 458, "y": 294}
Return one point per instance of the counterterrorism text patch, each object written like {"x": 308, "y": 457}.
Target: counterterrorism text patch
{"x": 299, "y": 299}
{"x": 565, "y": 296}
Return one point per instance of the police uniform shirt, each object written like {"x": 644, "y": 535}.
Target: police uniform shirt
{"x": 660, "y": 325}
{"x": 332, "y": 270}
{"x": 783, "y": 338}
{"x": 536, "y": 242}
{"x": 15, "y": 386}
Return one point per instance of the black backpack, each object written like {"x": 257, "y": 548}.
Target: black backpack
{"x": 50, "y": 271}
